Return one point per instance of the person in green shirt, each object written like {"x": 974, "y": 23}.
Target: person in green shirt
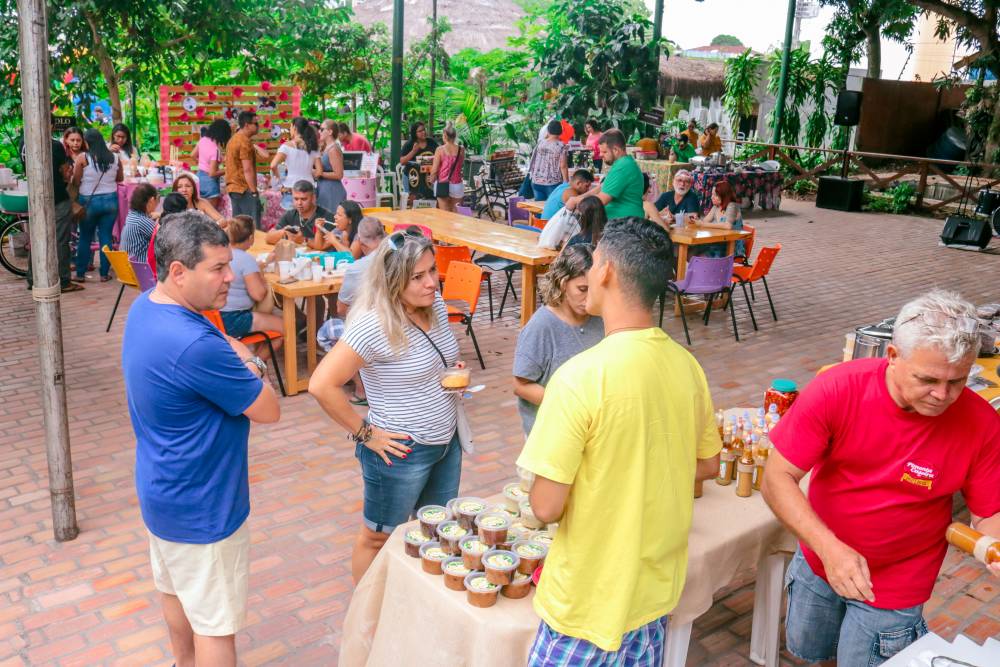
{"x": 621, "y": 189}
{"x": 682, "y": 151}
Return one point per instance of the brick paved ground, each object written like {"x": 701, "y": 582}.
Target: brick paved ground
{"x": 91, "y": 601}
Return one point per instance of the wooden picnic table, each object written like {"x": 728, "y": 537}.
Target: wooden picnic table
{"x": 498, "y": 239}
{"x": 689, "y": 235}
{"x": 534, "y": 209}
{"x": 310, "y": 291}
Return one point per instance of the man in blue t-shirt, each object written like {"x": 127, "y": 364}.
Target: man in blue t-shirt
{"x": 682, "y": 199}
{"x": 579, "y": 183}
{"x": 192, "y": 393}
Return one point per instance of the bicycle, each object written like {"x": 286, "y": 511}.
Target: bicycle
{"x": 14, "y": 243}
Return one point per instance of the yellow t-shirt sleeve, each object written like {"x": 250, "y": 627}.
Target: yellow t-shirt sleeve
{"x": 555, "y": 447}
{"x": 709, "y": 443}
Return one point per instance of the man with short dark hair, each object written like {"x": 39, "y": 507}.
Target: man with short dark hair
{"x": 581, "y": 182}
{"x": 622, "y": 187}
{"x": 241, "y": 168}
{"x": 352, "y": 141}
{"x": 192, "y": 393}
{"x": 624, "y": 431}
{"x": 299, "y": 223}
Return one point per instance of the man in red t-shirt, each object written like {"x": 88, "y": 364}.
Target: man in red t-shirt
{"x": 887, "y": 441}
{"x": 352, "y": 141}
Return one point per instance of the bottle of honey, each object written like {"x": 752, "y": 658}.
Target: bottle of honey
{"x": 983, "y": 548}
{"x": 727, "y": 459}
{"x": 760, "y": 454}
{"x": 745, "y": 469}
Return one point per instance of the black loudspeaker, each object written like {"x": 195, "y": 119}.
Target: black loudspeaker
{"x": 840, "y": 194}
{"x": 959, "y": 230}
{"x": 848, "y": 108}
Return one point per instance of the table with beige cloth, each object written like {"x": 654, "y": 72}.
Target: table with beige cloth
{"x": 400, "y": 615}
{"x": 661, "y": 175}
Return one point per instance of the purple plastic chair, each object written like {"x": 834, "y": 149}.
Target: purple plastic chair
{"x": 144, "y": 274}
{"x": 464, "y": 210}
{"x": 515, "y": 214}
{"x": 707, "y": 276}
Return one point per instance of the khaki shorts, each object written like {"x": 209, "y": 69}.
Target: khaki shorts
{"x": 210, "y": 580}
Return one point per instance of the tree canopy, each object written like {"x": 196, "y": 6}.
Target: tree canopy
{"x": 726, "y": 40}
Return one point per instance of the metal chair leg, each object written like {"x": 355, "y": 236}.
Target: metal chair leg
{"x": 489, "y": 290}
{"x": 508, "y": 287}
{"x": 732, "y": 312}
{"x": 770, "y": 302}
{"x": 749, "y": 307}
{"x": 680, "y": 304}
{"x": 475, "y": 343}
{"x": 115, "y": 309}
{"x": 708, "y": 308}
{"x": 275, "y": 365}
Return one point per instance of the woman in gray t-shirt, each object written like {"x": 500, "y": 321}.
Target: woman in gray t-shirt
{"x": 555, "y": 333}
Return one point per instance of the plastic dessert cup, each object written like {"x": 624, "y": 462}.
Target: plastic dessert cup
{"x": 513, "y": 494}
{"x": 430, "y": 517}
{"x": 503, "y": 509}
{"x": 492, "y": 527}
{"x": 518, "y": 531}
{"x": 525, "y": 478}
{"x": 531, "y": 555}
{"x": 472, "y": 549}
{"x": 518, "y": 588}
{"x": 500, "y": 566}
{"x": 413, "y": 540}
{"x": 449, "y": 533}
{"x": 466, "y": 509}
{"x": 454, "y": 379}
{"x": 480, "y": 592}
{"x": 431, "y": 557}
{"x": 528, "y": 517}
{"x": 454, "y": 573}
{"x": 544, "y": 537}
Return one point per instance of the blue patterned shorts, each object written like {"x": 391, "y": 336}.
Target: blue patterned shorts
{"x": 642, "y": 647}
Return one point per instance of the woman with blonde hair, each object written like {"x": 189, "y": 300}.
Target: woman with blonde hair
{"x": 446, "y": 171}
{"x": 556, "y": 332}
{"x": 397, "y": 336}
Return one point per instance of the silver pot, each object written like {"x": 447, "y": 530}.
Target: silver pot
{"x": 872, "y": 341}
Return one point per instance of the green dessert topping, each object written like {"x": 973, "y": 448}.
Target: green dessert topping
{"x": 470, "y": 507}
{"x": 515, "y": 491}
{"x": 529, "y": 550}
{"x": 479, "y": 584}
{"x": 456, "y": 567}
{"x": 474, "y": 546}
{"x": 492, "y": 522}
{"x": 434, "y": 515}
{"x": 500, "y": 561}
{"x": 435, "y": 553}
{"x": 452, "y": 530}
{"x": 416, "y": 536}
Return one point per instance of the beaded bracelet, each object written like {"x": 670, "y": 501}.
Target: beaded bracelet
{"x": 364, "y": 433}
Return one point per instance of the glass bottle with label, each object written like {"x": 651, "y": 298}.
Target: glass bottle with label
{"x": 726, "y": 458}
{"x": 745, "y": 469}
{"x": 761, "y": 451}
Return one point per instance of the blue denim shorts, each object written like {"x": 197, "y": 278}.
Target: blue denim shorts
{"x": 208, "y": 186}
{"x": 238, "y": 323}
{"x": 820, "y": 625}
{"x": 429, "y": 475}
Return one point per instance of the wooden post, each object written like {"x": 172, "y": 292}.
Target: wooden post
{"x": 34, "y": 48}
{"x": 922, "y": 186}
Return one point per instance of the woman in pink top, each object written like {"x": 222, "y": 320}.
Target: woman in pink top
{"x": 208, "y": 154}
{"x": 592, "y": 142}
{"x": 446, "y": 171}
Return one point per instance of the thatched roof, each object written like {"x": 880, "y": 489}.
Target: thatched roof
{"x": 692, "y": 77}
{"x": 478, "y": 24}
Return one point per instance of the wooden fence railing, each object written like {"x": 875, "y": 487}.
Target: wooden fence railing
{"x": 903, "y": 165}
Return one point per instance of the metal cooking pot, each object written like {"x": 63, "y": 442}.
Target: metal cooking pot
{"x": 872, "y": 341}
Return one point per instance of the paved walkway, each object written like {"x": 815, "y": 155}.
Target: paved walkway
{"x": 91, "y": 601}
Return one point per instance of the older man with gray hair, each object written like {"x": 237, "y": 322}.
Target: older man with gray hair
{"x": 682, "y": 199}
{"x": 888, "y": 442}
{"x": 370, "y": 235}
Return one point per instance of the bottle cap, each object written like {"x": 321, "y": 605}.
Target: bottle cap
{"x": 784, "y": 385}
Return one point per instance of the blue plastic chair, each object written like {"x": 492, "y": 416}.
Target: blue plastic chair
{"x": 528, "y": 228}
{"x": 706, "y": 276}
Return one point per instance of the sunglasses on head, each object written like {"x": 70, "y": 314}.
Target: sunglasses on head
{"x": 398, "y": 239}
{"x": 937, "y": 319}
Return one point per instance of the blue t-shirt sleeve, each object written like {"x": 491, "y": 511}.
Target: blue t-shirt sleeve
{"x": 663, "y": 200}
{"x": 210, "y": 368}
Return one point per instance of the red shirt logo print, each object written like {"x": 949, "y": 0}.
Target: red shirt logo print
{"x": 919, "y": 474}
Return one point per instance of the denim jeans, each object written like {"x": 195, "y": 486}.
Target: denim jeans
{"x": 820, "y": 625}
{"x": 542, "y": 192}
{"x": 102, "y": 211}
{"x": 246, "y": 203}
{"x": 429, "y": 475}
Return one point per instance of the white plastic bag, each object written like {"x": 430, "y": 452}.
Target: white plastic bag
{"x": 560, "y": 228}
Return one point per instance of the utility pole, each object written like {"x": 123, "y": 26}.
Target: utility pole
{"x": 36, "y": 107}
{"x": 434, "y": 27}
{"x": 786, "y": 55}
{"x": 397, "y": 82}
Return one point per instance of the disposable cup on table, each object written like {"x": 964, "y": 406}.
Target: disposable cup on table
{"x": 317, "y": 272}
{"x": 285, "y": 270}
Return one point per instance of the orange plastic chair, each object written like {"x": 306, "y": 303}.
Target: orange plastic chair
{"x": 747, "y": 275}
{"x": 252, "y": 338}
{"x": 465, "y": 282}
{"x": 444, "y": 255}
{"x": 425, "y": 230}
{"x": 125, "y": 275}
{"x": 372, "y": 210}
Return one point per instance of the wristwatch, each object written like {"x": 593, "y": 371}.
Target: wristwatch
{"x": 259, "y": 363}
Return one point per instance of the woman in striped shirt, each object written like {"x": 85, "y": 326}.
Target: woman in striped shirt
{"x": 140, "y": 222}
{"x": 398, "y": 337}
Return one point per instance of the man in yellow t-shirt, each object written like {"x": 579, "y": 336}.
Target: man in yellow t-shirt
{"x": 624, "y": 431}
